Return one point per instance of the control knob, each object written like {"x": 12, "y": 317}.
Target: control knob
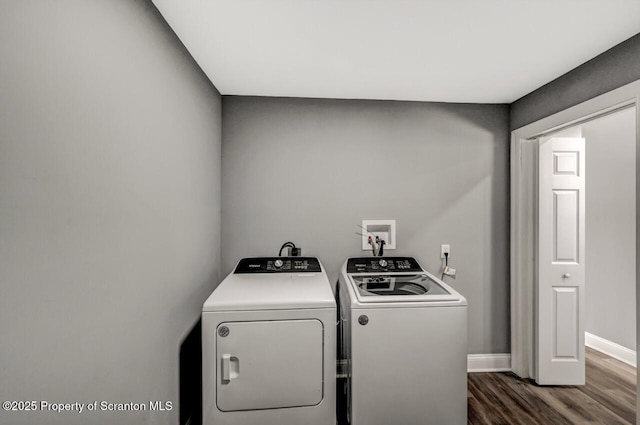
{"x": 383, "y": 263}
{"x": 278, "y": 263}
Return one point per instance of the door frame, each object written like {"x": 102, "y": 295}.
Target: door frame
{"x": 523, "y": 206}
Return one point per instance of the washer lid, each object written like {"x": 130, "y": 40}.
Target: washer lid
{"x": 400, "y": 287}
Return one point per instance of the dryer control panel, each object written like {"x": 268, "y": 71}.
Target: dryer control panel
{"x": 382, "y": 264}
{"x": 278, "y": 265}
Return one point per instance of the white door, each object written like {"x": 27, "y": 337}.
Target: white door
{"x": 561, "y": 269}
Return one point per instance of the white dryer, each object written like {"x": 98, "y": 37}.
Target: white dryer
{"x": 403, "y": 337}
{"x": 269, "y": 345}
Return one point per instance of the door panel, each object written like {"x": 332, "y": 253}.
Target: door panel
{"x": 561, "y": 269}
{"x": 565, "y": 225}
{"x": 269, "y": 364}
{"x": 566, "y": 322}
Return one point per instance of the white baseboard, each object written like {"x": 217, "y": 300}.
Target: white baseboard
{"x": 611, "y": 349}
{"x": 489, "y": 362}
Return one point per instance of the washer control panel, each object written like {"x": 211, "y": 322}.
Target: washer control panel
{"x": 278, "y": 265}
{"x": 382, "y": 264}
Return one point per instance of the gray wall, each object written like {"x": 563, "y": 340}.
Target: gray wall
{"x": 109, "y": 206}
{"x": 612, "y": 69}
{"x": 611, "y": 227}
{"x": 310, "y": 170}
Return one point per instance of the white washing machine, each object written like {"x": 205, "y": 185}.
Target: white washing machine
{"x": 403, "y": 337}
{"x": 269, "y": 345}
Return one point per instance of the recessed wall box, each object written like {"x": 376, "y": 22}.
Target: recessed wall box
{"x": 384, "y": 229}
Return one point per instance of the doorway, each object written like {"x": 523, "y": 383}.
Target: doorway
{"x": 523, "y": 236}
{"x": 610, "y": 242}
{"x": 610, "y": 321}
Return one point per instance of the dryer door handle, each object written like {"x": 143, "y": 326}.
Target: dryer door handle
{"x": 230, "y": 368}
{"x": 226, "y": 367}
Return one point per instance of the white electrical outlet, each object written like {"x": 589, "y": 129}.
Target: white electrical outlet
{"x": 445, "y": 249}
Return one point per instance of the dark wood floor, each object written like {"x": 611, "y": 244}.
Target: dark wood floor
{"x": 609, "y": 397}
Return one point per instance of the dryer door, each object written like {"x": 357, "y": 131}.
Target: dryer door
{"x": 269, "y": 364}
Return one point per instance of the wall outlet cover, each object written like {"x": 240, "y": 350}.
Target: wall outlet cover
{"x": 384, "y": 229}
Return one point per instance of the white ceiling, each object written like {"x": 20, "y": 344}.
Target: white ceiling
{"x": 480, "y": 51}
